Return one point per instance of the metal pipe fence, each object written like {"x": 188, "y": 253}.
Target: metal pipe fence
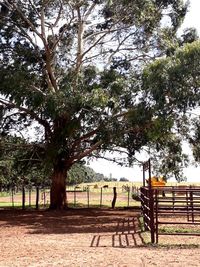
{"x": 176, "y": 207}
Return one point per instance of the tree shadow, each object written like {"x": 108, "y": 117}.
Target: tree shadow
{"x": 70, "y": 221}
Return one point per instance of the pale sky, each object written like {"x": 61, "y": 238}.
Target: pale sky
{"x": 135, "y": 174}
{"x": 192, "y": 17}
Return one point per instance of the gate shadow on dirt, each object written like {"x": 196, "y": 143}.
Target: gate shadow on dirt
{"x": 127, "y": 234}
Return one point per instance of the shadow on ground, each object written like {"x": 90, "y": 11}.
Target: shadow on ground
{"x": 127, "y": 234}
{"x": 120, "y": 226}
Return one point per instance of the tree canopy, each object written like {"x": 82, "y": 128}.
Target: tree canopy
{"x": 171, "y": 86}
{"x": 72, "y": 70}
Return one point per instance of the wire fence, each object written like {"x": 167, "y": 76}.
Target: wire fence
{"x": 25, "y": 197}
{"x": 37, "y": 197}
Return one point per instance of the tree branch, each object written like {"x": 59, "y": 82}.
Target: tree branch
{"x": 87, "y": 152}
{"x": 83, "y": 137}
{"x": 59, "y": 15}
{"x": 80, "y": 41}
{"x": 116, "y": 160}
{"x": 33, "y": 6}
{"x": 24, "y": 34}
{"x": 28, "y": 112}
{"x": 36, "y": 89}
{"x": 43, "y": 27}
{"x": 119, "y": 45}
{"x": 13, "y": 5}
{"x": 94, "y": 44}
{"x": 88, "y": 12}
{"x": 107, "y": 31}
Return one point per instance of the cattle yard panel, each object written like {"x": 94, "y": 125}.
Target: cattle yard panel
{"x": 171, "y": 206}
{"x": 147, "y": 210}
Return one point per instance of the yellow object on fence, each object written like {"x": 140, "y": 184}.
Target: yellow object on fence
{"x": 157, "y": 181}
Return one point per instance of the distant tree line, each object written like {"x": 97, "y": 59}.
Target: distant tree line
{"x": 80, "y": 173}
{"x": 123, "y": 179}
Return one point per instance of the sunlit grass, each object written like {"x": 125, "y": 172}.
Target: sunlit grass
{"x": 10, "y": 204}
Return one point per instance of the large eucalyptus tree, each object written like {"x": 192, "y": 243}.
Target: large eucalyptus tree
{"x": 72, "y": 67}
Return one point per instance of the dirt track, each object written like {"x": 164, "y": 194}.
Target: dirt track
{"x": 82, "y": 238}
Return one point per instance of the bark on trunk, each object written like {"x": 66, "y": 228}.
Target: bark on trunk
{"x": 58, "y": 189}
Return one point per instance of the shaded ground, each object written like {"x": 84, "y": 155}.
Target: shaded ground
{"x": 82, "y": 238}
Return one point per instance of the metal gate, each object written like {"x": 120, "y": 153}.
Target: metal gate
{"x": 160, "y": 206}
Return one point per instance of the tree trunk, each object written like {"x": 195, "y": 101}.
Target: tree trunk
{"x": 58, "y": 189}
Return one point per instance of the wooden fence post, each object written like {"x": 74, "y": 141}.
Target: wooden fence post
{"x": 74, "y": 196}
{"x": 88, "y": 196}
{"x": 29, "y": 195}
{"x": 128, "y": 196}
{"x": 37, "y": 198}
{"x": 114, "y": 197}
{"x": 101, "y": 194}
{"x": 23, "y": 198}
{"x": 12, "y": 196}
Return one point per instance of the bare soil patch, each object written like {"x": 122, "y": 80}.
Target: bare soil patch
{"x": 82, "y": 237}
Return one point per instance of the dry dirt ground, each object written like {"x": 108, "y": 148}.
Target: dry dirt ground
{"x": 84, "y": 237}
